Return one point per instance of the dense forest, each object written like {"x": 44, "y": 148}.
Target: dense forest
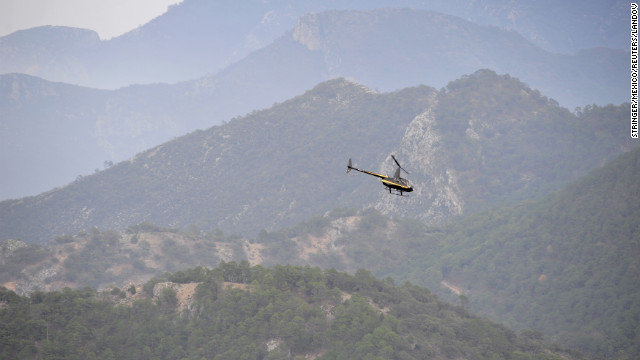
{"x": 243, "y": 312}
{"x": 511, "y": 247}
{"x": 565, "y": 265}
{"x": 503, "y": 121}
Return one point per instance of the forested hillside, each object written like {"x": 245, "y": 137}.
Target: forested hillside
{"x": 242, "y": 312}
{"x": 271, "y": 168}
{"x": 525, "y": 213}
{"x": 565, "y": 265}
{"x": 501, "y": 120}
{"x": 485, "y": 140}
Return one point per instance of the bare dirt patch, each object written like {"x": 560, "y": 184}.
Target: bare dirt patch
{"x": 253, "y": 253}
{"x": 225, "y": 251}
{"x": 10, "y": 285}
{"x": 454, "y": 289}
{"x": 185, "y": 294}
{"x": 313, "y": 245}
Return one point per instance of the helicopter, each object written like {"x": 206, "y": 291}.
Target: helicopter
{"x": 396, "y": 184}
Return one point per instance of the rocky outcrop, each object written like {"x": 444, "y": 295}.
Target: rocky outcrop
{"x": 35, "y": 275}
{"x": 35, "y": 279}
{"x": 185, "y": 294}
{"x": 331, "y": 241}
{"x": 307, "y": 32}
{"x": 8, "y": 247}
{"x": 437, "y": 194}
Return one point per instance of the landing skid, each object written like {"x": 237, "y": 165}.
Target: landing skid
{"x": 396, "y": 192}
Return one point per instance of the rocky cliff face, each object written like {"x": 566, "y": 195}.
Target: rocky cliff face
{"x": 437, "y": 194}
{"x": 182, "y": 294}
{"x": 53, "y": 52}
{"x": 307, "y": 32}
{"x": 487, "y": 140}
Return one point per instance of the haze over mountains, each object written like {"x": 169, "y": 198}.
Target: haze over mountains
{"x": 270, "y": 52}
{"x": 485, "y": 140}
{"x": 244, "y": 147}
{"x": 198, "y": 37}
{"x": 565, "y": 265}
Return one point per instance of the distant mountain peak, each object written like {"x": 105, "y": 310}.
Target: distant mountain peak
{"x": 486, "y": 140}
{"x": 468, "y": 132}
{"x": 340, "y": 87}
{"x": 45, "y": 34}
{"x": 306, "y": 32}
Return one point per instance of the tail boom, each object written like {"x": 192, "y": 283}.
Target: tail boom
{"x": 351, "y": 167}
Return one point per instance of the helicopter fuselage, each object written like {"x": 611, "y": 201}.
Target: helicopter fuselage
{"x": 397, "y": 183}
{"x": 400, "y": 184}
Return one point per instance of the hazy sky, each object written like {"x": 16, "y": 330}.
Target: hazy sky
{"x": 108, "y": 18}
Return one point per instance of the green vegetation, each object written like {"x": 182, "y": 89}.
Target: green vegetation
{"x": 509, "y": 143}
{"x": 98, "y": 258}
{"x": 565, "y": 265}
{"x": 277, "y": 167}
{"x": 231, "y": 176}
{"x": 284, "y": 312}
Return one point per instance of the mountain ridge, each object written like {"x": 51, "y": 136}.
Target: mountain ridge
{"x": 263, "y": 159}
{"x": 269, "y": 173}
{"x": 564, "y": 265}
{"x": 385, "y": 49}
{"x": 256, "y": 312}
{"x": 493, "y": 39}
{"x": 260, "y": 23}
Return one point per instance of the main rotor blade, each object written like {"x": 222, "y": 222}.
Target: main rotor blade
{"x": 397, "y": 163}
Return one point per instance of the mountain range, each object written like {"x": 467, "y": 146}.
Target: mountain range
{"x": 198, "y": 37}
{"x": 564, "y": 265}
{"x": 524, "y": 205}
{"x": 384, "y": 49}
{"x": 279, "y": 166}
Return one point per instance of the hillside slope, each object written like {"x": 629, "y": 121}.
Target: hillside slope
{"x": 271, "y": 168}
{"x": 45, "y": 122}
{"x": 283, "y": 165}
{"x": 565, "y": 265}
{"x": 384, "y": 49}
{"x": 491, "y": 140}
{"x": 198, "y": 37}
{"x": 237, "y": 312}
